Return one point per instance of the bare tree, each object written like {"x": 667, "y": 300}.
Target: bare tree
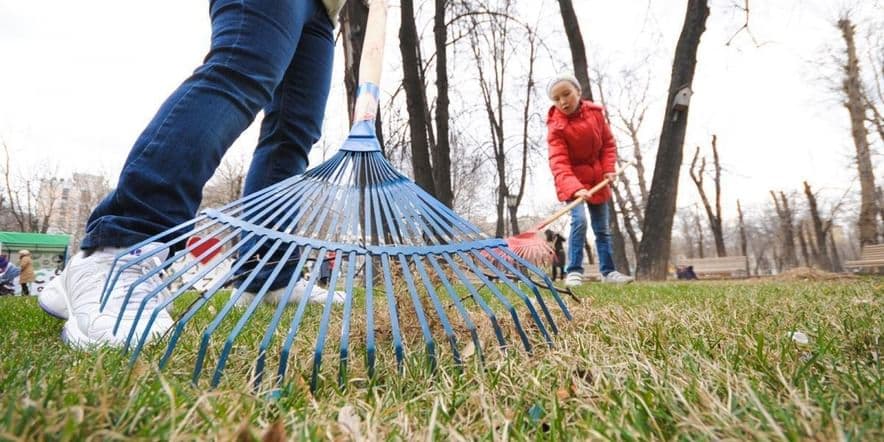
{"x": 494, "y": 49}
{"x": 713, "y": 216}
{"x": 31, "y": 195}
{"x": 413, "y": 82}
{"x": 226, "y": 184}
{"x": 442, "y": 148}
{"x": 653, "y": 257}
{"x": 857, "y": 106}
{"x": 820, "y": 229}
{"x": 802, "y": 243}
{"x": 578, "y": 49}
{"x": 701, "y": 246}
{"x": 787, "y": 229}
{"x": 743, "y": 241}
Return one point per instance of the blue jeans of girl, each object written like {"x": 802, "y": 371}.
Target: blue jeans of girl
{"x": 598, "y": 215}
{"x": 270, "y": 55}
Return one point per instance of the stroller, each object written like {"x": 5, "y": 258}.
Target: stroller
{"x": 7, "y": 280}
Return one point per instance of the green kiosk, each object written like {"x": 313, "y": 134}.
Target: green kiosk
{"x": 49, "y": 253}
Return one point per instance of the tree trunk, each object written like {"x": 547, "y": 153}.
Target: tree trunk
{"x": 415, "y": 99}
{"x": 627, "y": 222}
{"x": 699, "y": 227}
{"x": 713, "y": 216}
{"x": 621, "y": 262}
{"x": 868, "y": 228}
{"x": 743, "y": 241}
{"x": 578, "y": 50}
{"x": 656, "y": 241}
{"x": 784, "y": 213}
{"x": 803, "y": 244}
{"x": 442, "y": 151}
{"x": 587, "y": 249}
{"x": 820, "y": 229}
{"x": 514, "y": 220}
{"x": 836, "y": 257}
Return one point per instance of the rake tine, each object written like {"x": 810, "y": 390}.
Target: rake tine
{"x": 112, "y": 276}
{"x": 440, "y": 311}
{"x": 210, "y": 292}
{"x": 277, "y": 315}
{"x": 455, "y": 298}
{"x": 345, "y": 328}
{"x": 369, "y": 316}
{"x": 429, "y": 342}
{"x": 299, "y": 314}
{"x": 544, "y": 276}
{"x": 497, "y": 255}
{"x": 391, "y": 305}
{"x": 500, "y": 297}
{"x": 207, "y": 334}
{"x": 518, "y": 291}
{"x": 349, "y": 201}
{"x": 228, "y": 345}
{"x": 168, "y": 281}
{"x": 324, "y": 323}
{"x": 478, "y": 298}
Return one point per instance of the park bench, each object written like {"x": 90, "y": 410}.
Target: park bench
{"x": 871, "y": 256}
{"x": 717, "y": 267}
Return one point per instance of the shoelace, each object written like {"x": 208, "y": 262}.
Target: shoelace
{"x": 129, "y": 276}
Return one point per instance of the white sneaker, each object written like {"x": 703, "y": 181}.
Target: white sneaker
{"x": 88, "y": 326}
{"x": 52, "y": 299}
{"x": 573, "y": 279}
{"x": 616, "y": 277}
{"x": 318, "y": 295}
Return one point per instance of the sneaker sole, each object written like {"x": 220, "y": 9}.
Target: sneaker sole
{"x": 75, "y": 338}
{"x": 51, "y": 312}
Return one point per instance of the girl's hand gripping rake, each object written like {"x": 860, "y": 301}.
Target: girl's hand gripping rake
{"x": 531, "y": 246}
{"x": 401, "y": 258}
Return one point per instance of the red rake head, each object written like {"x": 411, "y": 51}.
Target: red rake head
{"x": 531, "y": 247}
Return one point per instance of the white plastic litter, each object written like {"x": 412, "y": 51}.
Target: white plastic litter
{"x": 799, "y": 337}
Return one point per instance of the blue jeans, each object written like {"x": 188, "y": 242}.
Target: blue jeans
{"x": 274, "y": 55}
{"x": 598, "y": 214}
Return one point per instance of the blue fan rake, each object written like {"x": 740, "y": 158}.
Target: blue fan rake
{"x": 383, "y": 230}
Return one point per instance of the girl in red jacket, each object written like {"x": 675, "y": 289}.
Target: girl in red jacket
{"x": 581, "y": 154}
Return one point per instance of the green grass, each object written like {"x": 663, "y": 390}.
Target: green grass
{"x": 708, "y": 360}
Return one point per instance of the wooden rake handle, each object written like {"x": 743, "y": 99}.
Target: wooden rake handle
{"x": 371, "y": 61}
{"x": 576, "y": 202}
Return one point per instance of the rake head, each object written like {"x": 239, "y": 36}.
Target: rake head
{"x": 382, "y": 228}
{"x": 399, "y": 255}
{"x": 530, "y": 246}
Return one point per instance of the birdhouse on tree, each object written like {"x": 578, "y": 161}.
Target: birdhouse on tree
{"x": 681, "y": 101}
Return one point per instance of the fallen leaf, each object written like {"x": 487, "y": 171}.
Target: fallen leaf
{"x": 468, "y": 350}
{"x": 275, "y": 433}
{"x": 349, "y": 419}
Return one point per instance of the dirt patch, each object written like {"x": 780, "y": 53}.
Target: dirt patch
{"x": 812, "y": 274}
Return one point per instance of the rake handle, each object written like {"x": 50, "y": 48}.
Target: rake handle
{"x": 576, "y": 202}
{"x": 370, "y": 62}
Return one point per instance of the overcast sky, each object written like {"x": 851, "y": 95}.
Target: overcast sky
{"x": 80, "y": 80}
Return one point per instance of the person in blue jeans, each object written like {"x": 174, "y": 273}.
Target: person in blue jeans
{"x": 270, "y": 55}
{"x": 582, "y": 153}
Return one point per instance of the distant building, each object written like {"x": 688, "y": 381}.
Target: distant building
{"x": 69, "y": 201}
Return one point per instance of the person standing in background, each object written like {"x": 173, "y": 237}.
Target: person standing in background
{"x": 27, "y": 271}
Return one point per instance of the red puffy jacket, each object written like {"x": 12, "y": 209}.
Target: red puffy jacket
{"x": 581, "y": 150}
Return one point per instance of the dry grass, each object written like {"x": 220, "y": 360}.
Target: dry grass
{"x": 708, "y": 360}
